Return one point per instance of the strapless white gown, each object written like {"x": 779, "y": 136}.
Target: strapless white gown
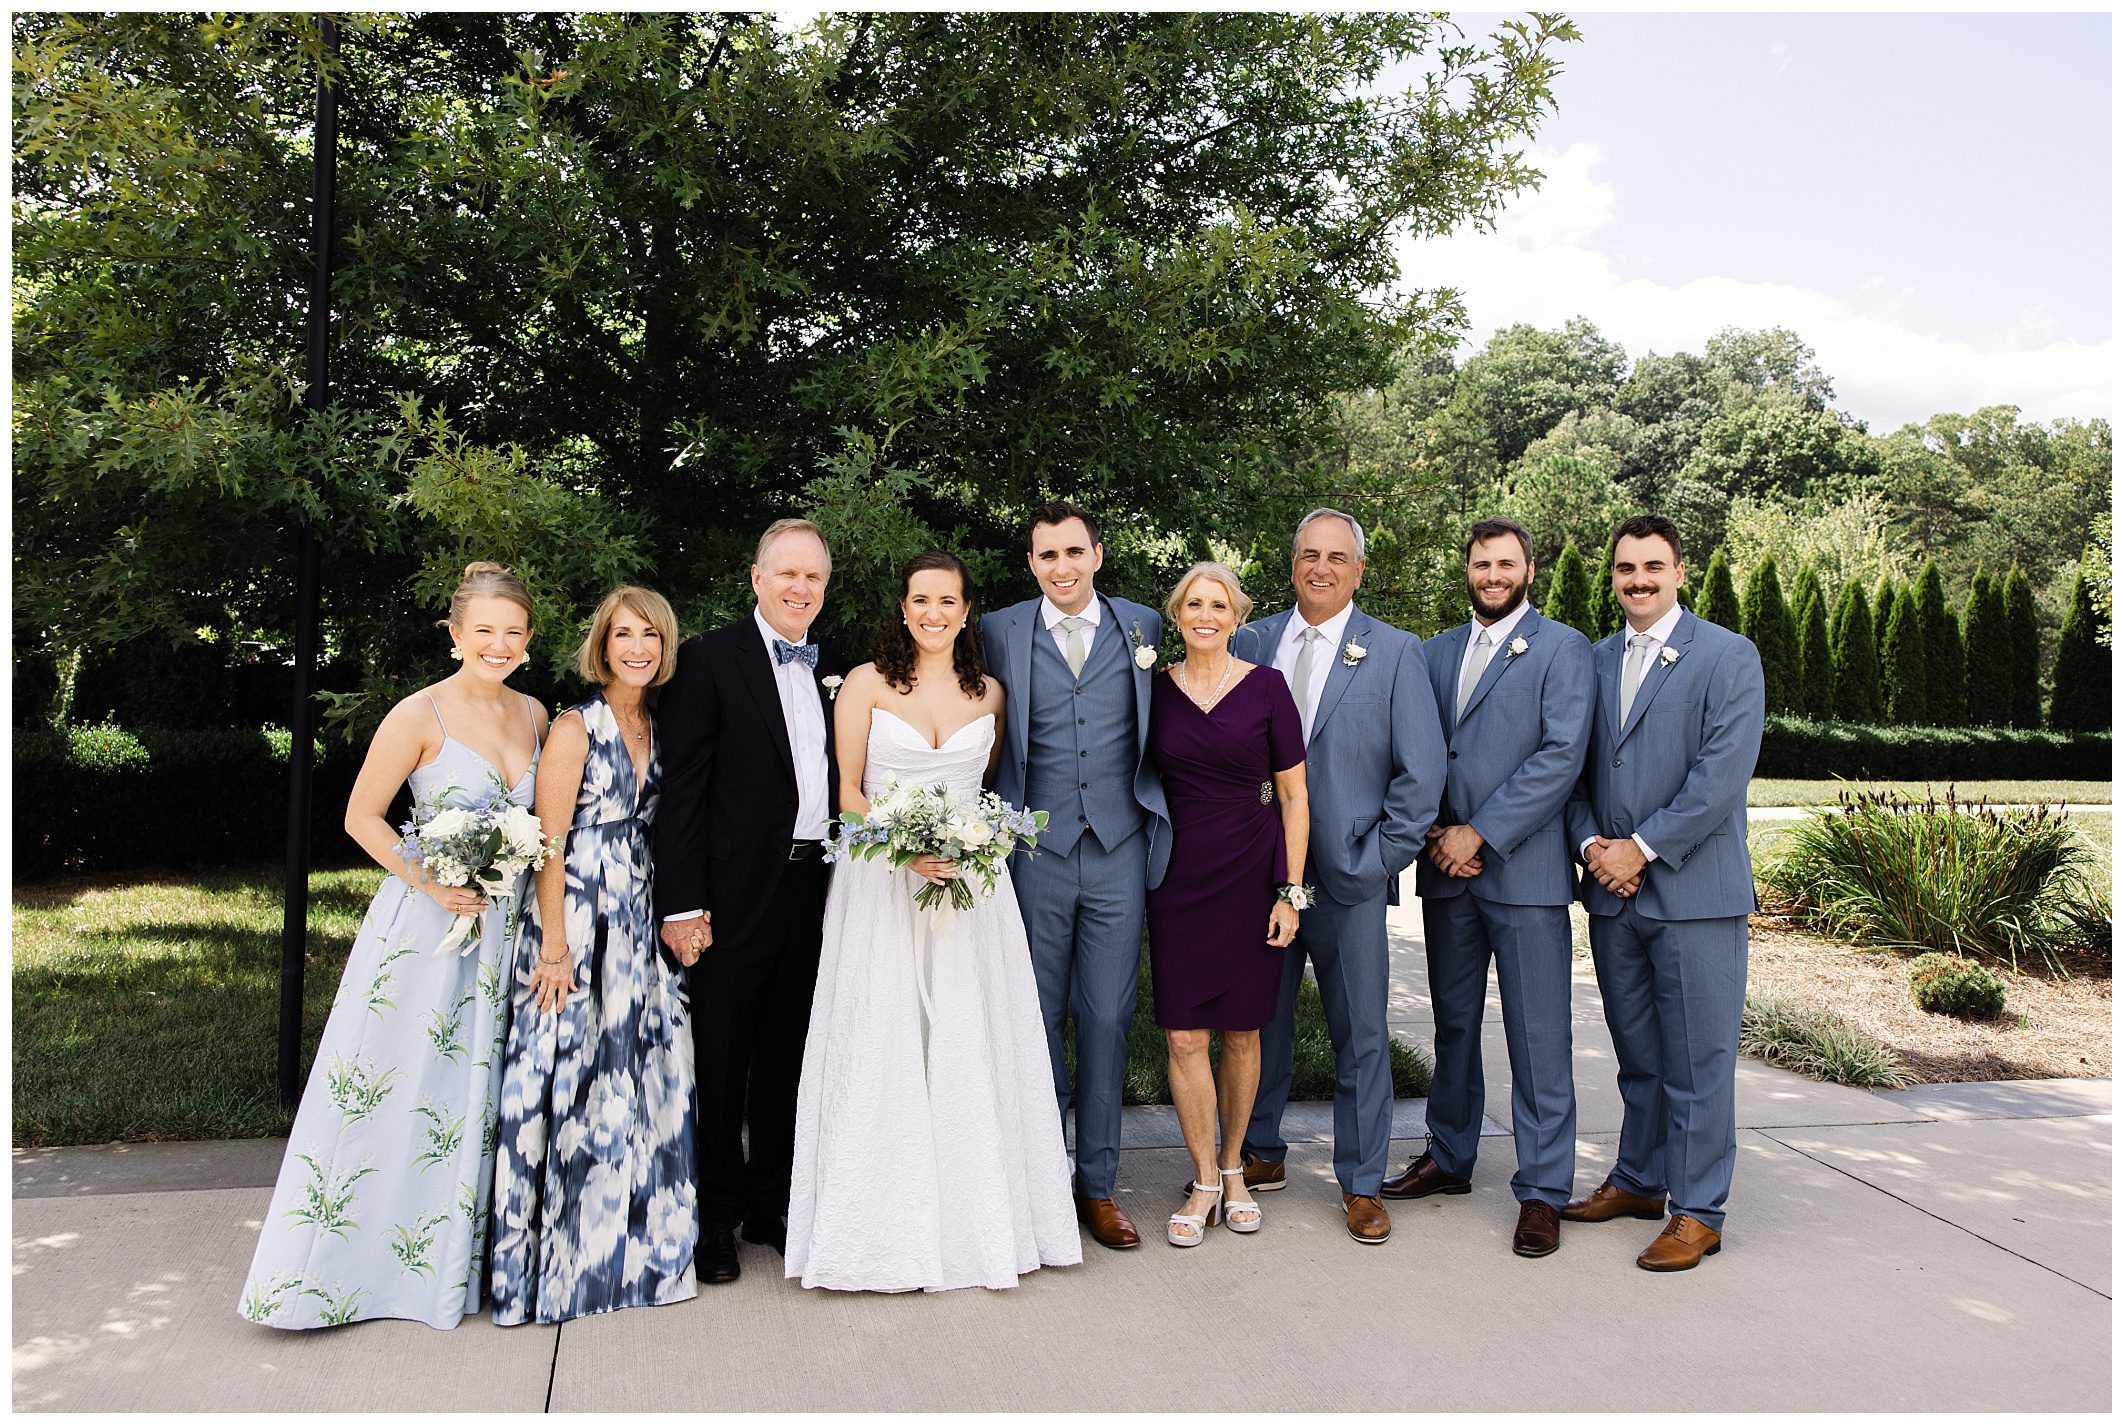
{"x": 928, "y": 1153}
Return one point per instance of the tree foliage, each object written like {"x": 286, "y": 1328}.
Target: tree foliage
{"x": 1571, "y": 591}
{"x": 1854, "y": 658}
{"x": 2024, "y": 689}
{"x": 614, "y": 290}
{"x": 1720, "y": 604}
{"x": 2080, "y": 700}
{"x": 1944, "y": 692}
{"x": 1986, "y": 657}
{"x": 1810, "y": 622}
{"x": 1906, "y": 695}
{"x": 1766, "y": 621}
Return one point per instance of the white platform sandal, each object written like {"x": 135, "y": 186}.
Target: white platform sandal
{"x": 1232, "y": 1219}
{"x": 1200, "y": 1221}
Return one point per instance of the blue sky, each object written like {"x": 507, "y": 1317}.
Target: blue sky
{"x": 1925, "y": 198}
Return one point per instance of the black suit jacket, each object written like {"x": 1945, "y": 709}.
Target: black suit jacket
{"x": 729, "y": 802}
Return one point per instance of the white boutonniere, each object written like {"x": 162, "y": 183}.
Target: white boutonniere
{"x": 1516, "y": 647}
{"x": 1669, "y": 657}
{"x": 1353, "y": 653}
{"x": 1145, "y": 655}
{"x": 832, "y": 684}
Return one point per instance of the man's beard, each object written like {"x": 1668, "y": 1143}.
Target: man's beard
{"x": 1512, "y": 600}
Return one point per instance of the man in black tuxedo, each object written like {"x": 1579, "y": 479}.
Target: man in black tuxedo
{"x": 749, "y": 787}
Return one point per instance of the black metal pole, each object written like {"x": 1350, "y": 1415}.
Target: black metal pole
{"x": 295, "y": 914}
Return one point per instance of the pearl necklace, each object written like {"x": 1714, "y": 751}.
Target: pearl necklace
{"x": 1180, "y": 677}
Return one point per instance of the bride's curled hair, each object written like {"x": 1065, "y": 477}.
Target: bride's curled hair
{"x": 895, "y": 650}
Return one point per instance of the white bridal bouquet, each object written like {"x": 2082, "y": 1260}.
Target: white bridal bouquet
{"x": 491, "y": 843}
{"x": 907, "y": 820}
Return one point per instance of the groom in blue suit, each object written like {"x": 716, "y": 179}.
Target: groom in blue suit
{"x": 1077, "y": 668}
{"x": 1515, "y": 691}
{"x": 1660, "y": 819}
{"x": 1375, "y": 765}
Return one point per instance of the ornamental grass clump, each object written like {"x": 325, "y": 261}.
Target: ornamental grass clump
{"x": 1816, "y": 1044}
{"x": 1956, "y": 985}
{"x": 1888, "y": 873}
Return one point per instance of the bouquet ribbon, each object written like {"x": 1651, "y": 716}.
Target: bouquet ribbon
{"x": 935, "y": 929}
{"x": 459, "y": 936}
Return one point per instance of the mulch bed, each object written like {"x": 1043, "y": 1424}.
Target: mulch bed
{"x": 2052, "y": 1028}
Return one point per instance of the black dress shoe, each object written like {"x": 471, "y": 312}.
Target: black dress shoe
{"x": 766, "y": 1232}
{"x": 715, "y": 1260}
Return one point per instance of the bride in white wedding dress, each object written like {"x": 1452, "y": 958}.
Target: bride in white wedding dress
{"x": 928, "y": 1150}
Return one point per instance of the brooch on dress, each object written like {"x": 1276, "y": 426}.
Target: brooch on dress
{"x": 1268, "y": 792}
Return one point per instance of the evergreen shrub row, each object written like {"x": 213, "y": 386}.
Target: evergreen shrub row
{"x": 1798, "y": 747}
{"x": 102, "y": 797}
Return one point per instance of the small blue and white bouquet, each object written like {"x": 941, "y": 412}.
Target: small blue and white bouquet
{"x": 907, "y": 820}
{"x": 489, "y": 843}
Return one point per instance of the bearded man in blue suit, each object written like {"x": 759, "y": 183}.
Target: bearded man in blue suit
{"x": 1515, "y": 692}
{"x": 1660, "y": 819}
{"x": 1374, "y": 767}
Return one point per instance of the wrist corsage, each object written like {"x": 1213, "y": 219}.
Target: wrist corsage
{"x": 1295, "y": 896}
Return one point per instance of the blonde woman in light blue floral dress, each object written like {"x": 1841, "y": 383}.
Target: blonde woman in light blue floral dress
{"x": 593, "y": 1176}
{"x": 381, "y": 1205}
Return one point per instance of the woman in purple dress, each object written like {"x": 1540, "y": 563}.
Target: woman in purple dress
{"x": 1225, "y": 736}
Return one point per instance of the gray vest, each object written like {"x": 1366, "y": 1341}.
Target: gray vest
{"x": 1081, "y": 741}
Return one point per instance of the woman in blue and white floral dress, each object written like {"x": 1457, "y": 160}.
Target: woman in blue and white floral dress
{"x": 381, "y": 1205}
{"x": 594, "y": 1192}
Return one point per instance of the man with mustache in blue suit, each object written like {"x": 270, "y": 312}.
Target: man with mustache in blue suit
{"x": 1515, "y": 693}
{"x": 1660, "y": 819}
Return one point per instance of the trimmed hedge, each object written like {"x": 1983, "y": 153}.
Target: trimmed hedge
{"x": 1796, "y": 747}
{"x": 102, "y": 797}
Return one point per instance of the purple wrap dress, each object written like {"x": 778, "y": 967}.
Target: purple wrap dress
{"x": 1211, "y": 964}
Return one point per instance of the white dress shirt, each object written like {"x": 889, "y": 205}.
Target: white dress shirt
{"x": 1325, "y": 652}
{"x": 1500, "y": 635}
{"x": 805, "y": 721}
{"x": 1051, "y": 619}
{"x": 1660, "y": 632}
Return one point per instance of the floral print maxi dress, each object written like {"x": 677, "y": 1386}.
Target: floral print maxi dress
{"x": 381, "y": 1205}
{"x": 594, "y": 1193}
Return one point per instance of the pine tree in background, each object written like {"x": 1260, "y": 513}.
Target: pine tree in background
{"x": 2024, "y": 652}
{"x": 2080, "y": 699}
{"x": 1448, "y": 603}
{"x": 1883, "y": 605}
{"x": 1984, "y": 652}
{"x": 1944, "y": 696}
{"x": 1571, "y": 590}
{"x": 1854, "y": 658}
{"x": 1720, "y": 605}
{"x": 1607, "y": 609}
{"x": 1903, "y": 681}
{"x": 1810, "y": 622}
{"x": 1767, "y": 623}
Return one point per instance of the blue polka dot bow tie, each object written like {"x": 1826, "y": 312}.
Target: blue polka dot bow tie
{"x": 804, "y": 653}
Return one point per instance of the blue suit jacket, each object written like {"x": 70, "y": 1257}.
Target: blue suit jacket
{"x": 1375, "y": 765}
{"x": 1677, "y": 773}
{"x": 1513, "y": 759}
{"x": 1007, "y": 648}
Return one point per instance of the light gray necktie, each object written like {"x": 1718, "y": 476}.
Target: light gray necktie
{"x": 1474, "y": 673}
{"x": 1634, "y": 671}
{"x": 1302, "y": 675}
{"x": 1075, "y": 652}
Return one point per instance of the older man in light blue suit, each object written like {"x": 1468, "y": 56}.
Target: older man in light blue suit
{"x": 1516, "y": 694}
{"x": 1661, "y": 821}
{"x": 1374, "y": 768}
{"x": 1077, "y": 667}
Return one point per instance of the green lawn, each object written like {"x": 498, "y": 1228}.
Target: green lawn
{"x": 146, "y": 1008}
{"x": 1789, "y": 792}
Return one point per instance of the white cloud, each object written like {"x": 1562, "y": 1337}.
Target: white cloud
{"x": 1543, "y": 264}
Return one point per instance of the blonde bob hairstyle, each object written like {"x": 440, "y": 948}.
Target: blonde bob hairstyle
{"x": 647, "y": 604}
{"x": 1209, "y": 569}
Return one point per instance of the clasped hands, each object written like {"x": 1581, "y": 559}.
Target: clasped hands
{"x": 1455, "y": 850}
{"x": 1617, "y": 863}
{"x": 687, "y": 938}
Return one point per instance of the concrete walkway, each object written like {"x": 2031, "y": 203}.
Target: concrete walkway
{"x": 1943, "y": 1248}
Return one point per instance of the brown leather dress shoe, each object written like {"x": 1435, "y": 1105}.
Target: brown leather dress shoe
{"x": 1109, "y": 1225}
{"x": 1683, "y": 1244}
{"x": 1423, "y": 1178}
{"x": 1367, "y": 1219}
{"x": 1261, "y": 1174}
{"x": 1538, "y": 1232}
{"x": 1609, "y": 1201}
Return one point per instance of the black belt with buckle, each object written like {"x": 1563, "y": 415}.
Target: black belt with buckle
{"x": 807, "y": 850}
